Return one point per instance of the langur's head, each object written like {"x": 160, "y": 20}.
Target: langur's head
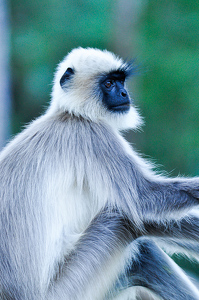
{"x": 91, "y": 83}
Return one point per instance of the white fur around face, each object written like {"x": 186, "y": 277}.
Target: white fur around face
{"x": 81, "y": 96}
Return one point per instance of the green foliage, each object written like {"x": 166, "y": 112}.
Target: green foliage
{"x": 169, "y": 90}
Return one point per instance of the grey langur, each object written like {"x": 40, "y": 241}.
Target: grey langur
{"x": 81, "y": 214}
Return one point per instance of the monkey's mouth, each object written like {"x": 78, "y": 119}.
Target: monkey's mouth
{"x": 121, "y": 107}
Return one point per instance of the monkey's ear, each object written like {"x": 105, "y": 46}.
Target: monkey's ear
{"x": 67, "y": 75}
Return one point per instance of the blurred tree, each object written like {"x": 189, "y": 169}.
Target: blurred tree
{"x": 126, "y": 17}
{"x": 4, "y": 74}
{"x": 169, "y": 43}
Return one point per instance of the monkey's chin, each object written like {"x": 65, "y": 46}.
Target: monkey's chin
{"x": 126, "y": 120}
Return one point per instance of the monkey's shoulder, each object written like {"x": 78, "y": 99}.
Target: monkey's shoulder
{"x": 64, "y": 138}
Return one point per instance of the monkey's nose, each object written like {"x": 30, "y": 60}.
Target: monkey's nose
{"x": 123, "y": 93}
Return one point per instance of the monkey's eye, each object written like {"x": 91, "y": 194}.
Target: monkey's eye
{"x": 109, "y": 83}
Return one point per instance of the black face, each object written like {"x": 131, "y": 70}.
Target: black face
{"x": 115, "y": 96}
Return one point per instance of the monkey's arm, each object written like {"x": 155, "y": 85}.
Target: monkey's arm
{"x": 159, "y": 195}
{"x": 133, "y": 186}
{"x": 181, "y": 235}
{"x": 164, "y": 197}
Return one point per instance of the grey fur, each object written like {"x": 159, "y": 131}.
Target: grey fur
{"x": 153, "y": 269}
{"x": 74, "y": 204}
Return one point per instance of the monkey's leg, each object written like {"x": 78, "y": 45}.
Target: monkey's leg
{"x": 154, "y": 270}
{"x": 92, "y": 268}
{"x": 137, "y": 293}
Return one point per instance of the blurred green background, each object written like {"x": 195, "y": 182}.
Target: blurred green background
{"x": 163, "y": 36}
